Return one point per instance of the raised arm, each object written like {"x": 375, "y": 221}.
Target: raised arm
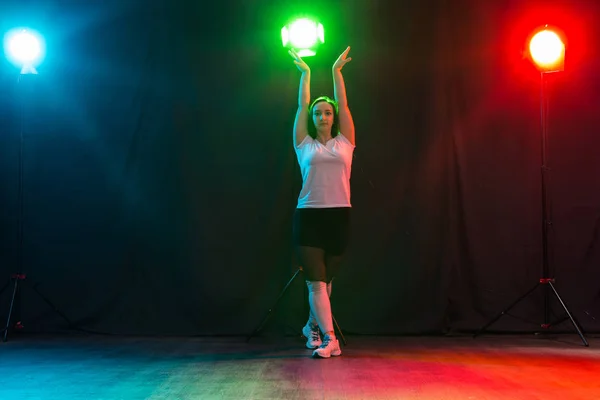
{"x": 301, "y": 122}
{"x": 339, "y": 90}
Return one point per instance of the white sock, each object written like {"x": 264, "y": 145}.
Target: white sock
{"x": 312, "y": 321}
{"x": 320, "y": 305}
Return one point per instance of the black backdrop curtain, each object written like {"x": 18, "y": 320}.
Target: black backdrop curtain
{"x": 160, "y": 180}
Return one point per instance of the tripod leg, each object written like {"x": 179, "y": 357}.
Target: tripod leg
{"x": 569, "y": 314}
{"x": 12, "y": 303}
{"x": 56, "y": 310}
{"x": 506, "y": 310}
{"x": 339, "y": 330}
{"x": 266, "y": 318}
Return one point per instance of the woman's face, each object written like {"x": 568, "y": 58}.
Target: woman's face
{"x": 323, "y": 116}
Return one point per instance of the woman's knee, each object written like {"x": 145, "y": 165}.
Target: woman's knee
{"x": 315, "y": 275}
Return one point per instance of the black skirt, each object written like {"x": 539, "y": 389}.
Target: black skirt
{"x": 324, "y": 228}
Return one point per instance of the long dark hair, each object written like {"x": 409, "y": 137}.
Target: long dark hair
{"x": 312, "y": 129}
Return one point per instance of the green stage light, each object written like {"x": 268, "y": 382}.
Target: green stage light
{"x": 304, "y": 36}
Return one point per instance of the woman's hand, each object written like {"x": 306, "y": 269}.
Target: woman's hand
{"x": 302, "y": 66}
{"x": 342, "y": 60}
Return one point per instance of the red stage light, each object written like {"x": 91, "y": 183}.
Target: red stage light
{"x": 547, "y": 51}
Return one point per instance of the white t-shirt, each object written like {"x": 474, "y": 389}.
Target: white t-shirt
{"x": 325, "y": 172}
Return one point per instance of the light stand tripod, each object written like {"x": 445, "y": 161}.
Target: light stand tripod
{"x": 545, "y": 281}
{"x": 25, "y": 86}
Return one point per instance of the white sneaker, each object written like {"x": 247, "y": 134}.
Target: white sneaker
{"x": 329, "y": 347}
{"x": 312, "y": 335}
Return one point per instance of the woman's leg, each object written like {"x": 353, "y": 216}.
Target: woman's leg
{"x": 332, "y": 264}
{"x": 312, "y": 260}
{"x": 311, "y": 317}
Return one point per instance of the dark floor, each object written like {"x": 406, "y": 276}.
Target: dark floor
{"x": 489, "y": 367}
